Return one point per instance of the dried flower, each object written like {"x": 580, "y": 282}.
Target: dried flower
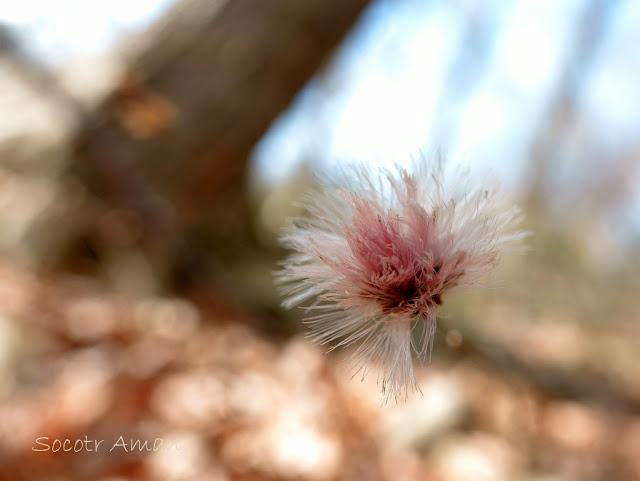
{"x": 378, "y": 256}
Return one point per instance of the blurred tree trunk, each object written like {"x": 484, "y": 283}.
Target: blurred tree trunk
{"x": 170, "y": 146}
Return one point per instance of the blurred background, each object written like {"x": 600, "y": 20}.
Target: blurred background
{"x": 151, "y": 151}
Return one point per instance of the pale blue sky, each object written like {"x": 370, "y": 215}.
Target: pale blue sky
{"x": 56, "y": 31}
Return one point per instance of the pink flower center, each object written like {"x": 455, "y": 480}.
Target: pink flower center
{"x": 395, "y": 259}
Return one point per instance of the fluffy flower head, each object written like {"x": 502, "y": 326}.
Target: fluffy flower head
{"x": 378, "y": 255}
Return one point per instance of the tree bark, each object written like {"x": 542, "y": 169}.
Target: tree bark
{"x": 171, "y": 144}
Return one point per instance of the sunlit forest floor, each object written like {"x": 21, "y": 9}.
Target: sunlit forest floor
{"x": 216, "y": 398}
